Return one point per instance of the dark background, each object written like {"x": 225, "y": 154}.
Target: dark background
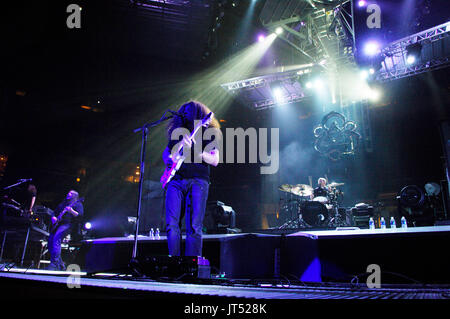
{"x": 125, "y": 66}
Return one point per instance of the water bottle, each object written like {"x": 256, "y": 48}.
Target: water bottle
{"x": 157, "y": 234}
{"x": 152, "y": 234}
{"x": 382, "y": 223}
{"x": 371, "y": 223}
{"x": 392, "y": 222}
{"x": 404, "y": 223}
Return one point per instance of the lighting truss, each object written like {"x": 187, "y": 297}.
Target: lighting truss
{"x": 317, "y": 30}
{"x": 257, "y": 93}
{"x": 434, "y": 54}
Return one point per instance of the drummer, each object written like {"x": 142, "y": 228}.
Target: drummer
{"x": 322, "y": 189}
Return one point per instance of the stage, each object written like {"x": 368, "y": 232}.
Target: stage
{"x": 317, "y": 264}
{"x": 311, "y": 256}
{"x": 51, "y": 284}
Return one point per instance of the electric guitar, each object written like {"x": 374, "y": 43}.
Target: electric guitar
{"x": 56, "y": 223}
{"x": 170, "y": 171}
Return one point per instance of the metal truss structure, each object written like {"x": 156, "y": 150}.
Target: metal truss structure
{"x": 257, "y": 92}
{"x": 323, "y": 35}
{"x": 435, "y": 54}
{"x": 317, "y": 30}
{"x": 321, "y": 32}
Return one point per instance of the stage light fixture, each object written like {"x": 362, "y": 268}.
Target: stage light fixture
{"x": 279, "y": 30}
{"x": 361, "y": 3}
{"x": 413, "y": 52}
{"x": 371, "y": 48}
{"x": 309, "y": 85}
{"x": 87, "y": 225}
{"x": 278, "y": 94}
{"x": 364, "y": 74}
{"x": 372, "y": 94}
{"x": 318, "y": 84}
{"x": 410, "y": 59}
{"x": 261, "y": 38}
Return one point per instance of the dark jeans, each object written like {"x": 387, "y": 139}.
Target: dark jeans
{"x": 192, "y": 194}
{"x": 54, "y": 246}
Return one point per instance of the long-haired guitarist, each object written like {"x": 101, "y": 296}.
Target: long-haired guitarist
{"x": 187, "y": 190}
{"x": 66, "y": 217}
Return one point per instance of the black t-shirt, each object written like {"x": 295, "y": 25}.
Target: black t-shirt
{"x": 192, "y": 169}
{"x": 319, "y": 191}
{"x": 68, "y": 218}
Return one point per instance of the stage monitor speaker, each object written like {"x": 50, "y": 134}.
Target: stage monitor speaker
{"x": 219, "y": 218}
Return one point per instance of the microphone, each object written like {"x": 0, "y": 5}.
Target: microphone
{"x": 23, "y": 180}
{"x": 176, "y": 113}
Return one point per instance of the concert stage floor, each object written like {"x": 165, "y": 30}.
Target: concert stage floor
{"x": 53, "y": 284}
{"x": 327, "y": 264}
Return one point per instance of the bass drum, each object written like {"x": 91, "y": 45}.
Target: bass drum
{"x": 314, "y": 213}
{"x": 321, "y": 199}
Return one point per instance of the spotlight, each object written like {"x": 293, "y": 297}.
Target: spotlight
{"x": 309, "y": 85}
{"x": 413, "y": 52}
{"x": 261, "y": 38}
{"x": 361, "y": 3}
{"x": 372, "y": 94}
{"x": 410, "y": 59}
{"x": 318, "y": 84}
{"x": 88, "y": 225}
{"x": 371, "y": 48}
{"x": 372, "y": 71}
{"x": 364, "y": 74}
{"x": 278, "y": 94}
{"x": 279, "y": 30}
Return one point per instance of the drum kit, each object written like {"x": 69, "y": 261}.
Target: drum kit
{"x": 304, "y": 211}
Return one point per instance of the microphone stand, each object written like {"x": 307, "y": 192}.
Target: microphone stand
{"x": 144, "y": 129}
{"x": 14, "y": 185}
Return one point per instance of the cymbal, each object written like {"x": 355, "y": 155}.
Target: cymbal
{"x": 286, "y": 187}
{"x": 304, "y": 193}
{"x": 335, "y": 184}
{"x": 298, "y": 189}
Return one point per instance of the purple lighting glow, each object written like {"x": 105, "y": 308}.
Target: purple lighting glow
{"x": 361, "y": 3}
{"x": 261, "y": 38}
{"x": 371, "y": 48}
